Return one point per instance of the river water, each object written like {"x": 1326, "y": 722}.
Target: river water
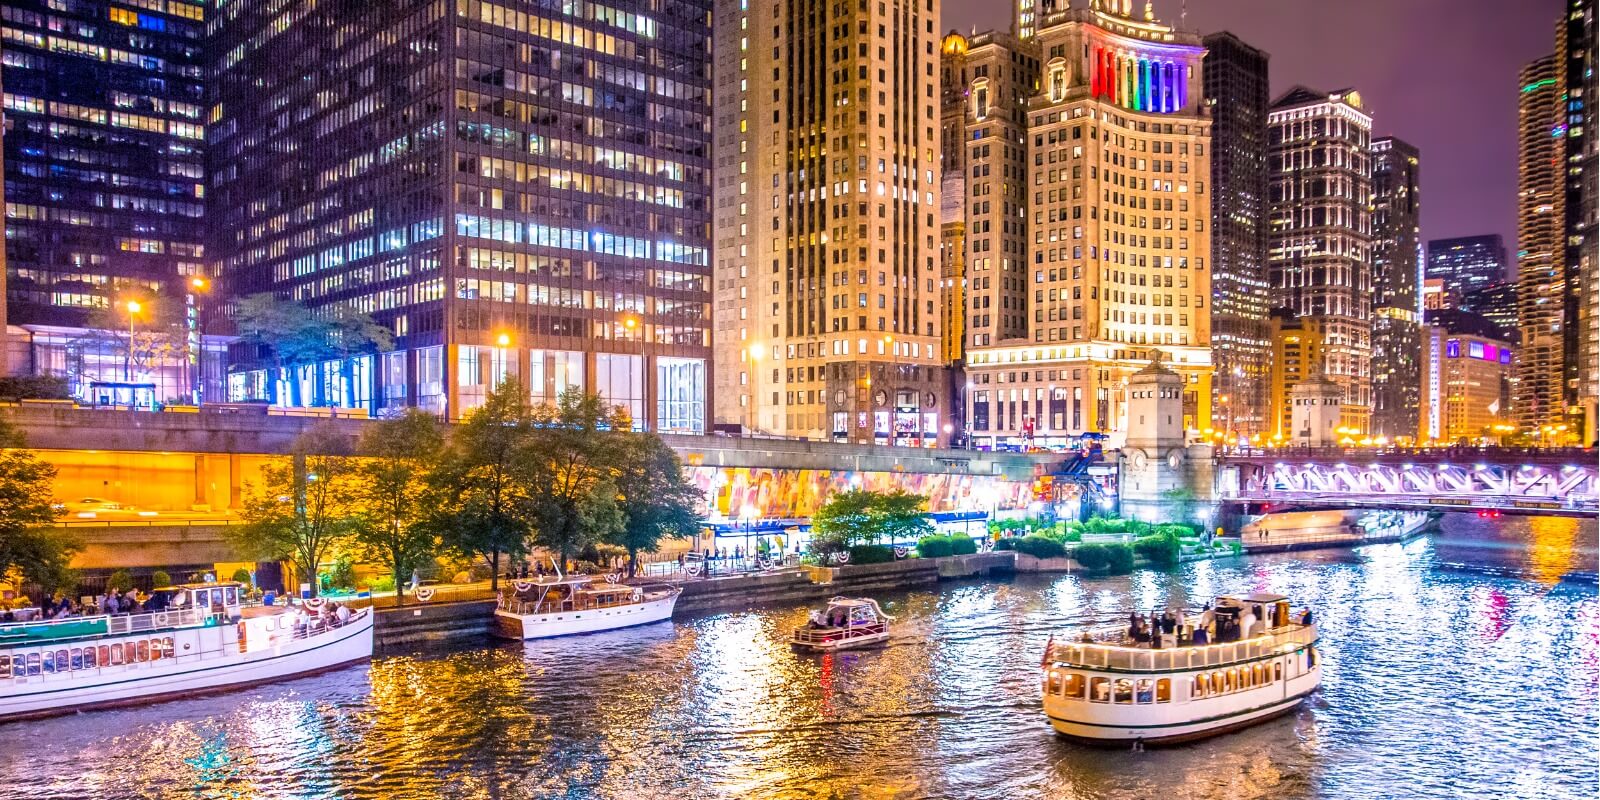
{"x": 1457, "y": 665}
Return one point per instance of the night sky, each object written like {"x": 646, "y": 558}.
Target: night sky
{"x": 1440, "y": 74}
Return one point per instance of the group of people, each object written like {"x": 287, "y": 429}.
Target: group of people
{"x": 1177, "y": 629}
{"x": 330, "y": 615}
{"x": 113, "y": 603}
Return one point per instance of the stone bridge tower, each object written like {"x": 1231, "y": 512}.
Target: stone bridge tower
{"x": 1162, "y": 478}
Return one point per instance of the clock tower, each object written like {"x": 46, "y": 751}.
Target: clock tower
{"x": 1157, "y": 463}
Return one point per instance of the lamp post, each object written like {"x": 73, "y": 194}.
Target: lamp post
{"x": 752, "y": 355}
{"x": 194, "y": 341}
{"x": 133, "y": 307}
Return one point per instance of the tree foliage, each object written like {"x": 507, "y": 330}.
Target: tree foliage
{"x": 479, "y": 492}
{"x": 572, "y": 461}
{"x": 294, "y": 336}
{"x": 656, "y": 500}
{"x": 30, "y": 546}
{"x": 305, "y": 506}
{"x": 391, "y": 528}
{"x": 859, "y": 516}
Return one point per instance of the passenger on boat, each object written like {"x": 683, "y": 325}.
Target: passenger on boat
{"x": 1200, "y": 638}
{"x": 1169, "y": 622}
{"x": 1247, "y": 624}
{"x": 1305, "y": 619}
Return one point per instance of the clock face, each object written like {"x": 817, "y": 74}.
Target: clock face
{"x": 929, "y": 400}
{"x": 1136, "y": 459}
{"x": 839, "y": 397}
{"x": 880, "y": 397}
{"x": 1174, "y": 459}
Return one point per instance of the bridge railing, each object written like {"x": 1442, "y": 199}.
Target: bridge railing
{"x": 1580, "y": 455}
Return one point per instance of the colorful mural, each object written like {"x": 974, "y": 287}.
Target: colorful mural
{"x": 741, "y": 493}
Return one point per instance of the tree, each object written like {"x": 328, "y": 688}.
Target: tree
{"x": 479, "y": 494}
{"x": 656, "y": 500}
{"x": 286, "y": 329}
{"x": 900, "y": 516}
{"x": 352, "y": 333}
{"x": 570, "y": 460}
{"x": 397, "y": 455}
{"x": 30, "y": 545}
{"x": 305, "y": 506}
{"x": 861, "y": 515}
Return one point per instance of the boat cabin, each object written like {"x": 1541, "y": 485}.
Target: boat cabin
{"x": 576, "y": 593}
{"x": 216, "y": 598}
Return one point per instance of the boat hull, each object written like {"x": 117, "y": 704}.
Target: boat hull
{"x": 852, "y": 643}
{"x": 183, "y": 676}
{"x": 1171, "y": 733}
{"x": 508, "y": 625}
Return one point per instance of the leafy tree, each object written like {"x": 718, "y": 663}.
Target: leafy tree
{"x": 29, "y": 542}
{"x": 571, "y": 461}
{"x": 860, "y": 515}
{"x": 305, "y": 507}
{"x": 397, "y": 455}
{"x": 33, "y": 387}
{"x": 479, "y": 494}
{"x": 160, "y": 579}
{"x": 120, "y": 581}
{"x": 286, "y": 329}
{"x": 352, "y": 333}
{"x": 899, "y": 515}
{"x": 656, "y": 500}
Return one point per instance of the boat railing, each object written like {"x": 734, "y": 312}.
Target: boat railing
{"x": 102, "y": 624}
{"x": 1130, "y": 658}
{"x": 819, "y": 635}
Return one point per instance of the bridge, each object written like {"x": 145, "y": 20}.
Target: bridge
{"x": 1543, "y": 482}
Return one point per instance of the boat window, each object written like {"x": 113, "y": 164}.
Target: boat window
{"x": 1227, "y": 681}
{"x": 1053, "y": 683}
{"x": 77, "y": 657}
{"x": 63, "y": 660}
{"x": 1123, "y": 691}
{"x": 1258, "y": 677}
{"x": 155, "y": 649}
{"x": 216, "y": 598}
{"x": 33, "y": 663}
{"x": 144, "y": 651}
{"x": 1199, "y": 688}
{"x": 1311, "y": 657}
{"x": 105, "y": 655}
{"x": 1164, "y": 690}
{"x": 1100, "y": 690}
{"x": 5, "y": 666}
{"x": 116, "y": 653}
{"x": 1074, "y": 685}
{"x": 1144, "y": 691}
{"x": 1277, "y": 670}
{"x": 49, "y": 662}
{"x": 231, "y": 595}
{"x": 89, "y": 661}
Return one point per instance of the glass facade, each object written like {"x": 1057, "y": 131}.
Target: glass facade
{"x": 514, "y": 182}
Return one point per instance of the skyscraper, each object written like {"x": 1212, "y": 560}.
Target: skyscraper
{"x": 1396, "y": 285}
{"x": 1466, "y": 264}
{"x": 827, "y": 220}
{"x": 1579, "y": 84}
{"x": 104, "y": 191}
{"x": 520, "y": 191}
{"x": 1541, "y": 275}
{"x": 1320, "y": 259}
{"x": 1241, "y": 338}
{"x": 1116, "y": 220}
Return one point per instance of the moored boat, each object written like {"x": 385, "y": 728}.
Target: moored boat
{"x": 202, "y": 640}
{"x": 846, "y": 623}
{"x": 1109, "y": 687}
{"x": 562, "y": 606}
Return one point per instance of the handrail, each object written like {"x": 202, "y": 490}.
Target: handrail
{"x": 114, "y": 625}
{"x": 1100, "y": 655}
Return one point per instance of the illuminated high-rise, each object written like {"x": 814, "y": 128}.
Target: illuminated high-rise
{"x": 519, "y": 190}
{"x": 1396, "y": 286}
{"x": 826, "y": 220}
{"x": 1320, "y": 258}
{"x": 1118, "y": 236}
{"x": 1576, "y": 43}
{"x": 1541, "y": 273}
{"x": 1466, "y": 264}
{"x": 1241, "y": 339}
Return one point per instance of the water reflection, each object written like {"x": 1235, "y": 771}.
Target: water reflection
{"x": 1457, "y": 667}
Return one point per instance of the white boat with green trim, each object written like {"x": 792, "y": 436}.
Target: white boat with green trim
{"x": 203, "y": 640}
{"x": 1109, "y": 688}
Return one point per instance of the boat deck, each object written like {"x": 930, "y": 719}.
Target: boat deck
{"x": 1114, "y": 651}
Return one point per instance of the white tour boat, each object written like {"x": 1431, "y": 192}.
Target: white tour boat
{"x": 846, "y": 623}
{"x": 561, "y": 606}
{"x": 1109, "y": 688}
{"x": 203, "y": 640}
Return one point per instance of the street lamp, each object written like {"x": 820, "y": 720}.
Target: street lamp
{"x": 133, "y": 307}
{"x": 753, "y": 355}
{"x": 503, "y": 340}
{"x": 194, "y": 340}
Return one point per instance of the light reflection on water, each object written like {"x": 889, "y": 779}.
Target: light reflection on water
{"x": 1456, "y": 666}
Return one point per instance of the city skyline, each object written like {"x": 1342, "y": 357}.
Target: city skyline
{"x": 1469, "y": 73}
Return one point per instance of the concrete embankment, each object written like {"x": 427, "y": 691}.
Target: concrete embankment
{"x": 412, "y": 625}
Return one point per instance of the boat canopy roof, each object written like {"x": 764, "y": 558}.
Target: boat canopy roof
{"x": 851, "y": 602}
{"x": 1259, "y": 597}
{"x": 182, "y": 587}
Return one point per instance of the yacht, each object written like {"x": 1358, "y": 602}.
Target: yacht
{"x": 1115, "y": 687}
{"x": 202, "y": 640}
{"x": 565, "y": 605}
{"x": 846, "y": 623}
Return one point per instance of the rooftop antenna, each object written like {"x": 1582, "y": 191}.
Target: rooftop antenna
{"x": 1183, "y": 15}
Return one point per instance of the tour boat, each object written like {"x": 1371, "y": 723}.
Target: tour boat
{"x": 1108, "y": 688}
{"x": 846, "y": 623}
{"x": 565, "y": 605}
{"x": 203, "y": 640}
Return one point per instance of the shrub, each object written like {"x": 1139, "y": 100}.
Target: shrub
{"x": 1119, "y": 558}
{"x": 1008, "y": 543}
{"x": 241, "y": 575}
{"x": 342, "y": 575}
{"x": 1091, "y": 556}
{"x": 934, "y": 546}
{"x": 120, "y": 581}
{"x": 1177, "y": 530}
{"x": 381, "y": 583}
{"x": 1159, "y": 549}
{"x": 160, "y": 579}
{"x": 1040, "y": 547}
{"x": 1072, "y": 536}
{"x": 871, "y": 554}
{"x": 962, "y": 545}
{"x": 1106, "y": 525}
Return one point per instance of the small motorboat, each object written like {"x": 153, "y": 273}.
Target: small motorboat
{"x": 846, "y": 623}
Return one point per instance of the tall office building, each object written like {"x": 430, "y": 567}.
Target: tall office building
{"x": 1467, "y": 383}
{"x": 827, "y": 220}
{"x": 1576, "y": 42}
{"x": 520, "y": 191}
{"x": 1466, "y": 264}
{"x": 1296, "y": 359}
{"x": 1320, "y": 261}
{"x": 1541, "y": 274}
{"x": 1117, "y": 215}
{"x": 104, "y": 185}
{"x": 1497, "y": 303}
{"x": 1396, "y": 286}
{"x": 1241, "y": 338}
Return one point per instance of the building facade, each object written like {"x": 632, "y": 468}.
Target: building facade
{"x": 827, "y": 220}
{"x": 1396, "y": 287}
{"x": 1541, "y": 274}
{"x": 1579, "y": 84}
{"x": 519, "y": 191}
{"x": 1466, "y": 382}
{"x": 105, "y": 193}
{"x": 1296, "y": 358}
{"x": 1465, "y": 265}
{"x": 1241, "y": 340}
{"x": 1320, "y": 261}
{"x": 1117, "y": 214}
{"x": 1497, "y": 303}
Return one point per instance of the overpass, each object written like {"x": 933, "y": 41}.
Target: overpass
{"x": 1543, "y": 482}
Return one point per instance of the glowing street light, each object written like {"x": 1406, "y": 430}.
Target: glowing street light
{"x": 133, "y": 307}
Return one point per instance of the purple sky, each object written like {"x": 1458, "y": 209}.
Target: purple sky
{"x": 1440, "y": 74}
